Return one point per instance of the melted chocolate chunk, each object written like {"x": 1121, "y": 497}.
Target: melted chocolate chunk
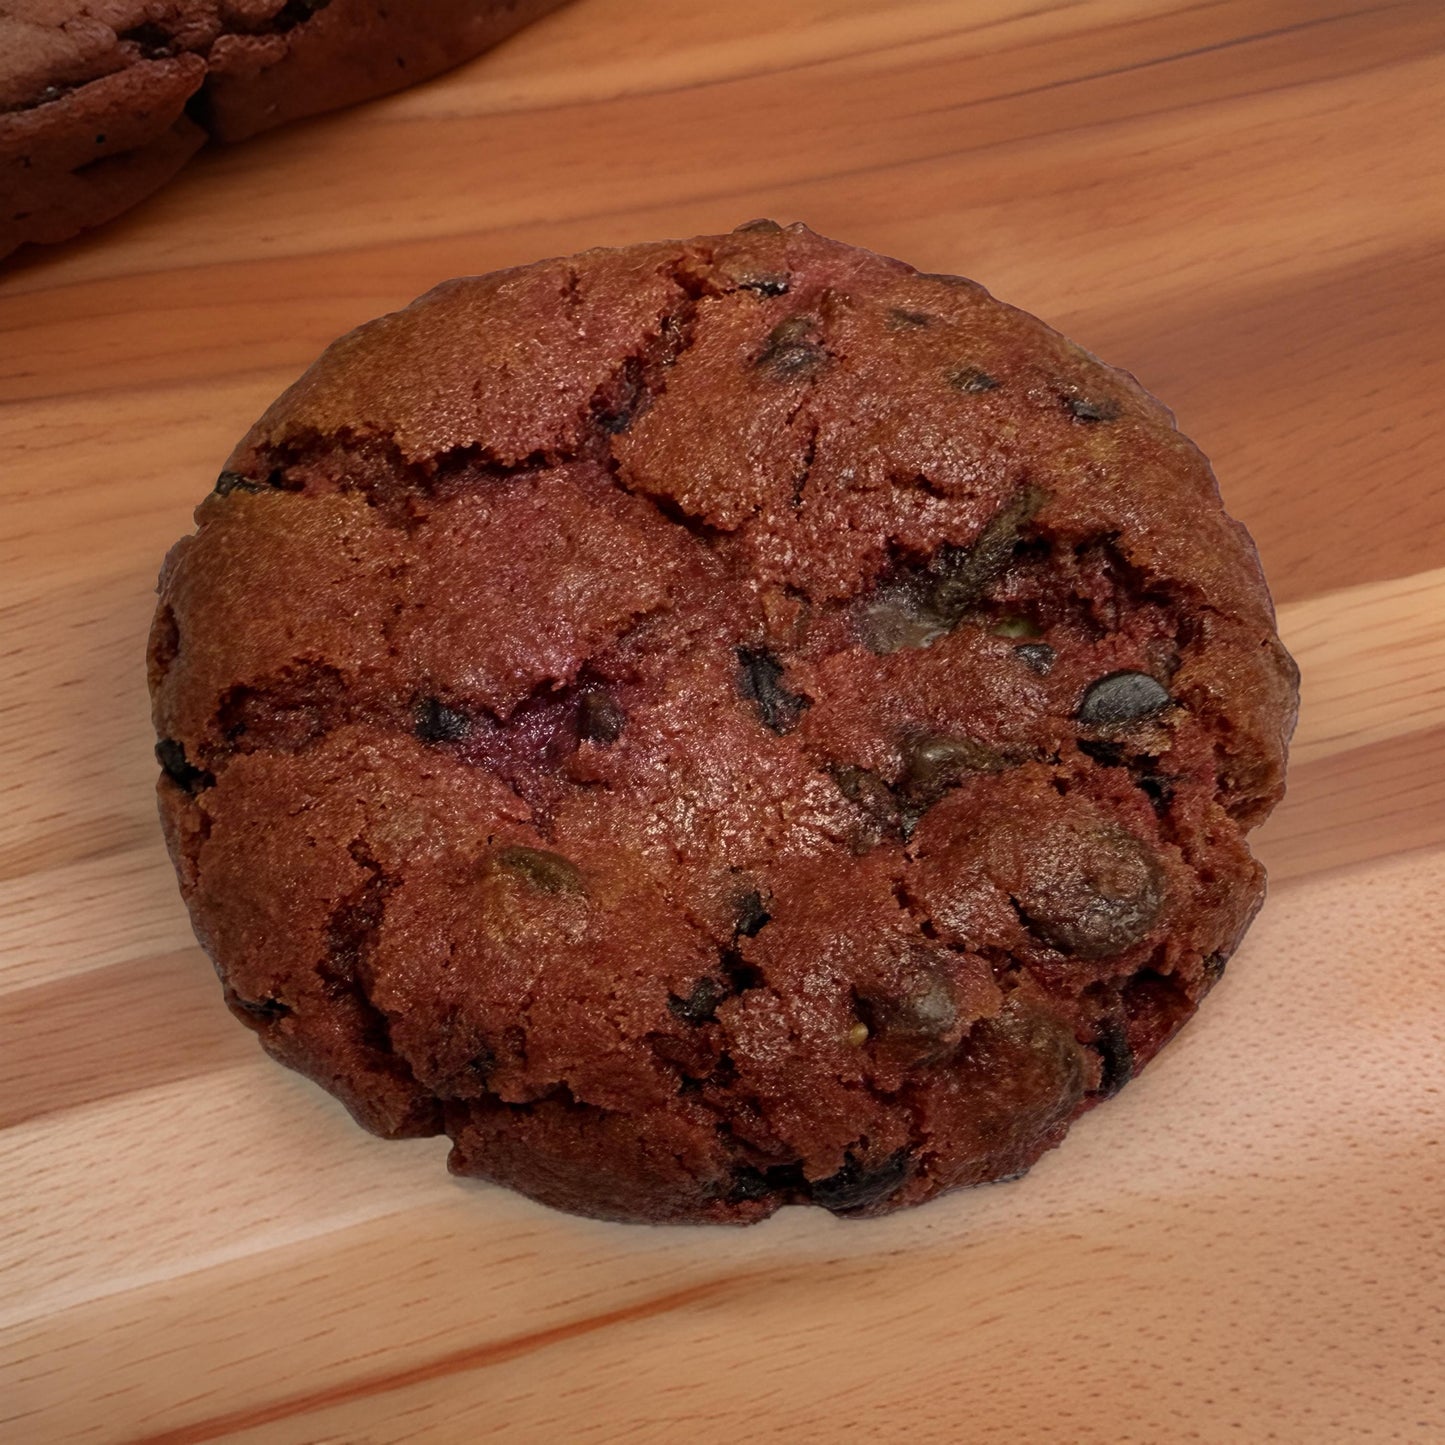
{"x": 875, "y": 800}
{"x": 971, "y": 379}
{"x": 1097, "y": 892}
{"x": 761, "y": 680}
{"x": 1157, "y": 788}
{"x": 152, "y": 40}
{"x": 854, "y": 1188}
{"x": 184, "y": 774}
{"x": 793, "y": 349}
{"x": 435, "y": 722}
{"x": 914, "y": 1020}
{"x": 741, "y": 974}
{"x": 599, "y": 719}
{"x": 963, "y": 575}
{"x": 546, "y": 872}
{"x": 1024, "y": 1052}
{"x": 296, "y": 12}
{"x": 261, "y": 1010}
{"x": 933, "y": 764}
{"x": 229, "y": 482}
{"x": 914, "y": 607}
{"x": 899, "y": 615}
{"x": 616, "y": 403}
{"x": 753, "y": 917}
{"x": 1115, "y": 1056}
{"x": 747, "y": 1184}
{"x": 1091, "y": 410}
{"x": 1038, "y": 657}
{"x": 1120, "y": 698}
{"x": 1143, "y": 771}
{"x": 701, "y": 1003}
{"x": 765, "y": 285}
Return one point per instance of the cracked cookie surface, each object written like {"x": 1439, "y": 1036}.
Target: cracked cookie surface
{"x": 716, "y": 725}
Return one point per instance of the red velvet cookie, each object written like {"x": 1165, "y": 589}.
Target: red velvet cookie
{"x": 103, "y": 101}
{"x": 717, "y": 725}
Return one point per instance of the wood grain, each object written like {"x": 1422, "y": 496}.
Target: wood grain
{"x": 1240, "y": 200}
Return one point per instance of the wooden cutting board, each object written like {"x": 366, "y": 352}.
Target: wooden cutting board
{"x": 1242, "y": 201}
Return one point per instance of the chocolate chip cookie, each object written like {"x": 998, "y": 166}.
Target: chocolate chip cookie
{"x": 716, "y": 725}
{"x": 102, "y": 101}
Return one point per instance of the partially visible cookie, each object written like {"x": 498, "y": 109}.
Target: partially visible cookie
{"x": 717, "y": 725}
{"x": 102, "y": 101}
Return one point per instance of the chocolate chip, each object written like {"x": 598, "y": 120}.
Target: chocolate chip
{"x": 1214, "y": 967}
{"x": 617, "y": 400}
{"x": 435, "y": 722}
{"x": 1096, "y": 891}
{"x": 971, "y": 379}
{"x": 901, "y": 320}
{"x": 1037, "y": 656}
{"x": 913, "y": 1018}
{"x": 793, "y": 349}
{"x": 752, "y": 916}
{"x": 725, "y": 1072}
{"x": 150, "y": 39}
{"x": 229, "y": 482}
{"x": 760, "y": 678}
{"x": 1025, "y": 1061}
{"x": 1085, "y": 409}
{"x": 263, "y": 1010}
{"x": 296, "y": 12}
{"x": 899, "y": 616}
{"x": 1106, "y": 754}
{"x": 1156, "y": 786}
{"x": 1122, "y": 697}
{"x": 854, "y": 1188}
{"x": 1116, "y": 1057}
{"x": 762, "y": 224}
{"x": 747, "y": 1184}
{"x": 546, "y": 872}
{"x": 171, "y": 755}
{"x": 932, "y": 764}
{"x": 914, "y": 607}
{"x": 765, "y": 285}
{"x": 961, "y": 575}
{"x": 741, "y": 975}
{"x": 700, "y": 1004}
{"x": 351, "y": 928}
{"x": 875, "y": 800}
{"x": 1158, "y": 789}
{"x": 599, "y": 719}
{"x": 1024, "y": 1072}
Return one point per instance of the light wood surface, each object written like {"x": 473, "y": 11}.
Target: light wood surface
{"x": 1240, "y": 200}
